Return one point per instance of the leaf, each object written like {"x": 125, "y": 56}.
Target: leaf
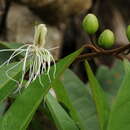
{"x": 61, "y": 118}
{"x": 5, "y": 55}
{"x": 7, "y": 86}
{"x": 10, "y": 45}
{"x": 21, "y": 111}
{"x": 111, "y": 78}
{"x": 74, "y": 96}
{"x": 99, "y": 98}
{"x": 2, "y": 108}
{"x": 120, "y": 112}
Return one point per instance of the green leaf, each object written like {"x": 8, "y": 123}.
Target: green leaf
{"x": 99, "y": 98}
{"x": 2, "y": 108}
{"x": 111, "y": 78}
{"x": 10, "y": 45}
{"x": 60, "y": 117}
{"x": 74, "y": 96}
{"x": 5, "y": 55}
{"x": 7, "y": 86}
{"x": 21, "y": 111}
{"x": 120, "y": 113}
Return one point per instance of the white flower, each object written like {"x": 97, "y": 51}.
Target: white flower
{"x": 38, "y": 58}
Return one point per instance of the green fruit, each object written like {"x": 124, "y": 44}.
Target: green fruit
{"x": 90, "y": 24}
{"x": 106, "y": 39}
{"x": 128, "y": 32}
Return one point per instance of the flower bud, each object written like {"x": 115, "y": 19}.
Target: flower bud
{"x": 40, "y": 35}
{"x": 106, "y": 39}
{"x": 128, "y": 32}
{"x": 90, "y": 24}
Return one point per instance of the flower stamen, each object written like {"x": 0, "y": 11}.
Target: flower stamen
{"x": 36, "y": 57}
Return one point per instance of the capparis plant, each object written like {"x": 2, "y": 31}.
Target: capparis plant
{"x": 106, "y": 39}
{"x": 29, "y": 75}
{"x": 90, "y": 24}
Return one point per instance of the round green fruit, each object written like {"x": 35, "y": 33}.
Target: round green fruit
{"x": 128, "y": 32}
{"x": 90, "y": 24}
{"x": 106, "y": 39}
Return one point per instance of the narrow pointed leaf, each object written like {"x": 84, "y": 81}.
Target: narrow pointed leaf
{"x": 99, "y": 98}
{"x": 60, "y": 117}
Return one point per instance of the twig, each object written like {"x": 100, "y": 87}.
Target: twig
{"x": 96, "y": 52}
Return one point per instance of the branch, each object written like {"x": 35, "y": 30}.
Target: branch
{"x": 97, "y": 51}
